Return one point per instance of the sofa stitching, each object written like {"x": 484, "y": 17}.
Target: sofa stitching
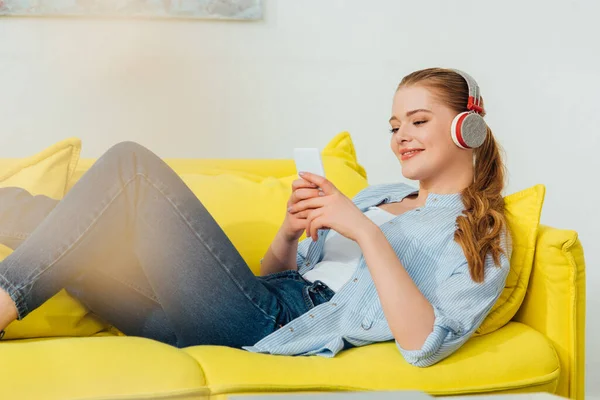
{"x": 572, "y": 336}
{"x": 539, "y": 381}
{"x": 548, "y": 378}
{"x": 174, "y": 394}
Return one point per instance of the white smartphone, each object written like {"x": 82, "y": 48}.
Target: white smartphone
{"x": 309, "y": 160}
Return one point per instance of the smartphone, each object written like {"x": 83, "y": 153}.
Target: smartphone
{"x": 309, "y": 159}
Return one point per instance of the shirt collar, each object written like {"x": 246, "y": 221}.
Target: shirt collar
{"x": 400, "y": 191}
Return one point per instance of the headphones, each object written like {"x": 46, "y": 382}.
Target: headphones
{"x": 468, "y": 128}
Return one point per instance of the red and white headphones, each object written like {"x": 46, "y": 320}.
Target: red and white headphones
{"x": 468, "y": 128}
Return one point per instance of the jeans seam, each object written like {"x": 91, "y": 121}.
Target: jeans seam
{"x": 279, "y": 275}
{"x": 14, "y": 235}
{"x": 269, "y": 316}
{"x": 307, "y": 300}
{"x": 76, "y": 241}
{"x": 130, "y": 285}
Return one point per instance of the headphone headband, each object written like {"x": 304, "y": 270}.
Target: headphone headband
{"x": 474, "y": 93}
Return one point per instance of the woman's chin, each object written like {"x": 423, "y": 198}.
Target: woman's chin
{"x": 409, "y": 174}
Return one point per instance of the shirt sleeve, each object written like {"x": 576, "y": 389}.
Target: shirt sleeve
{"x": 302, "y": 251}
{"x": 460, "y": 305}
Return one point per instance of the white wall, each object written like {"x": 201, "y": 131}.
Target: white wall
{"x": 311, "y": 69}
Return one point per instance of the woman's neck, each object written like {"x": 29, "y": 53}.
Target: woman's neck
{"x": 444, "y": 185}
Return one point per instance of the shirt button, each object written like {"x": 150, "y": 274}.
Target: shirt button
{"x": 312, "y": 316}
{"x": 307, "y": 263}
{"x": 417, "y": 209}
{"x": 334, "y": 304}
{"x": 434, "y": 199}
{"x": 291, "y": 329}
{"x": 355, "y": 279}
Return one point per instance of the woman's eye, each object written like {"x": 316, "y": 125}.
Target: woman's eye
{"x": 419, "y": 122}
{"x": 393, "y": 130}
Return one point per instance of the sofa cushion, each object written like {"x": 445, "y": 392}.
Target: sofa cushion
{"x": 488, "y": 363}
{"x": 98, "y": 368}
{"x": 523, "y": 210}
{"x": 47, "y": 172}
{"x": 340, "y": 151}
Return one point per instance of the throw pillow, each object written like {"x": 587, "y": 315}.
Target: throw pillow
{"x": 523, "y": 210}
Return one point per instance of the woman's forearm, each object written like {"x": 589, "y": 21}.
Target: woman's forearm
{"x": 409, "y": 314}
{"x": 280, "y": 256}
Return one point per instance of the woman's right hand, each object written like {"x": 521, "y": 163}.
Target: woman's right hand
{"x": 295, "y": 224}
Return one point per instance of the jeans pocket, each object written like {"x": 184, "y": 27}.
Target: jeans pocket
{"x": 317, "y": 293}
{"x": 287, "y": 274}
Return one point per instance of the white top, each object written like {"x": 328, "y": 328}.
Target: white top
{"x": 341, "y": 255}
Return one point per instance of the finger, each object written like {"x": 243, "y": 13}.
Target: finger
{"x": 320, "y": 181}
{"x": 310, "y": 223}
{"x": 314, "y": 202}
{"x": 302, "y": 183}
{"x": 302, "y": 214}
{"x": 302, "y": 194}
{"x": 309, "y": 219}
{"x": 315, "y": 225}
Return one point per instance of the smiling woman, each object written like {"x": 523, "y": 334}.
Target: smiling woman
{"x": 421, "y": 266}
{"x": 438, "y": 273}
{"x": 427, "y": 103}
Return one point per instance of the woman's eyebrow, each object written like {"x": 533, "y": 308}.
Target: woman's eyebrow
{"x": 409, "y": 113}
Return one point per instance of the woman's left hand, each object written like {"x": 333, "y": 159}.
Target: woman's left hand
{"x": 332, "y": 210}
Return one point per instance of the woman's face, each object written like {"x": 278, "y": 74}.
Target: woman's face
{"x": 420, "y": 122}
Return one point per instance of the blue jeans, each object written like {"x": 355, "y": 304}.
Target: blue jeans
{"x": 133, "y": 243}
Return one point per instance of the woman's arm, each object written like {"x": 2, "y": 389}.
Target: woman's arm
{"x": 409, "y": 314}
{"x": 428, "y": 332}
{"x": 280, "y": 256}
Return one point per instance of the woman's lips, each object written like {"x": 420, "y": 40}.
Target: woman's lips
{"x": 409, "y": 155}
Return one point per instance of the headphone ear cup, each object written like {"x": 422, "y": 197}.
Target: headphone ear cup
{"x": 456, "y": 128}
{"x": 468, "y": 130}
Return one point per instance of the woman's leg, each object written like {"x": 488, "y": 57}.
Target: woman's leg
{"x": 21, "y": 213}
{"x": 130, "y": 216}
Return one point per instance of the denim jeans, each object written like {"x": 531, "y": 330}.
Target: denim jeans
{"x": 134, "y": 244}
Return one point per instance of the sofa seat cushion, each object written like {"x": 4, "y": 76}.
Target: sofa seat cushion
{"x": 514, "y": 357}
{"x": 99, "y": 368}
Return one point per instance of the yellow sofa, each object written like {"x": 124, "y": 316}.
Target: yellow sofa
{"x": 62, "y": 351}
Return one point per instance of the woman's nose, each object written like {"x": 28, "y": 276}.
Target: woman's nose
{"x": 401, "y": 136}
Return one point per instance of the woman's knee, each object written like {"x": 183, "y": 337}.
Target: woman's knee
{"x": 125, "y": 147}
{"x": 130, "y": 150}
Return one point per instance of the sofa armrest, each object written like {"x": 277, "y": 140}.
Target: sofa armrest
{"x": 555, "y": 303}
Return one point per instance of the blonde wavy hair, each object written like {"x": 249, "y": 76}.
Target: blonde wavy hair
{"x": 483, "y": 222}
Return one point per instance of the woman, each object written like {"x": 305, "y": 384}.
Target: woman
{"x": 420, "y": 266}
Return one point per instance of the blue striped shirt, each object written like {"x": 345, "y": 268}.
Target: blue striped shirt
{"x": 423, "y": 239}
